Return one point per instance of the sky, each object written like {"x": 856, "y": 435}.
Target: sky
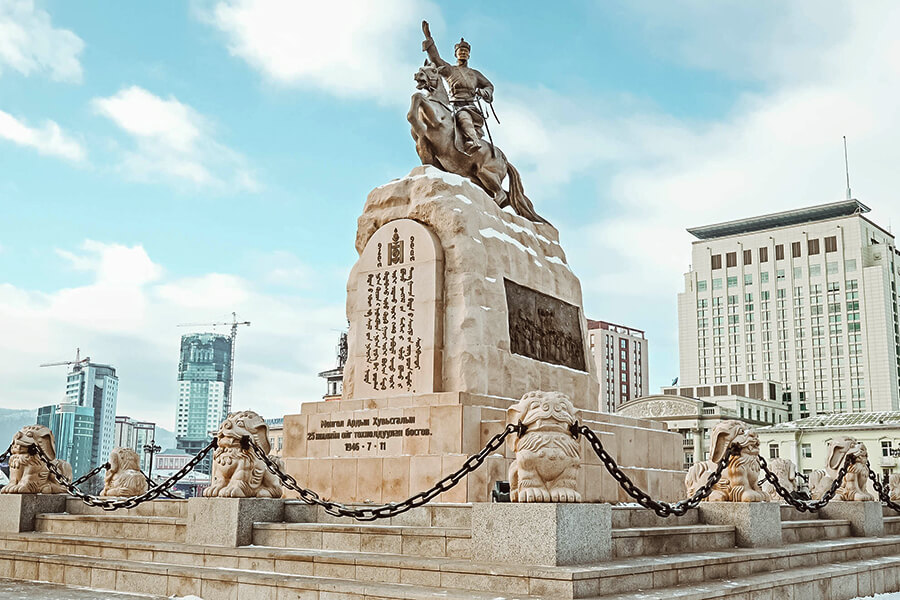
{"x": 172, "y": 162}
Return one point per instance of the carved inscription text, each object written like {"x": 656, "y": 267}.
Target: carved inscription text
{"x": 543, "y": 327}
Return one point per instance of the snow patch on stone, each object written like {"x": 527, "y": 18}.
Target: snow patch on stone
{"x": 459, "y": 210}
{"x": 559, "y": 261}
{"x": 486, "y": 307}
{"x": 463, "y": 199}
{"x": 491, "y": 279}
{"x": 525, "y": 230}
{"x": 493, "y": 233}
{"x": 537, "y": 262}
{"x": 477, "y": 240}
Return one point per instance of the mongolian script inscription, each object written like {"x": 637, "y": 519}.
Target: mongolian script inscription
{"x": 543, "y": 327}
{"x": 394, "y": 314}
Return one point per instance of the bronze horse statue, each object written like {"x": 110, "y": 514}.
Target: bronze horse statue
{"x": 433, "y": 130}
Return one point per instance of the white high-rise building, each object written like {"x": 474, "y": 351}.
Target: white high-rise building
{"x": 622, "y": 366}
{"x": 96, "y": 386}
{"x": 806, "y": 297}
{"x": 134, "y": 434}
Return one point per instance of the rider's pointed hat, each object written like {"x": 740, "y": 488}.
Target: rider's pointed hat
{"x": 462, "y": 44}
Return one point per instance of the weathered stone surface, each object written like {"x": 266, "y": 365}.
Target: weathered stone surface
{"x": 27, "y": 472}
{"x": 551, "y": 534}
{"x": 229, "y": 521}
{"x": 17, "y": 511}
{"x": 547, "y": 456}
{"x": 757, "y": 524}
{"x": 855, "y": 482}
{"x": 482, "y": 246}
{"x": 866, "y": 518}
{"x": 124, "y": 477}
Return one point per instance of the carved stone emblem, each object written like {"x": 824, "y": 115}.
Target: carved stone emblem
{"x": 854, "y": 486}
{"x": 547, "y": 456}
{"x": 739, "y": 482}
{"x": 236, "y": 471}
{"x": 27, "y": 472}
{"x": 124, "y": 477}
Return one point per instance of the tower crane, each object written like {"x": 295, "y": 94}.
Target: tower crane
{"x": 78, "y": 362}
{"x": 234, "y": 325}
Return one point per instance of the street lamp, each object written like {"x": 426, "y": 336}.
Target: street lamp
{"x": 151, "y": 448}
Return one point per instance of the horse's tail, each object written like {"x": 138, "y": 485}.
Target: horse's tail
{"x": 517, "y": 198}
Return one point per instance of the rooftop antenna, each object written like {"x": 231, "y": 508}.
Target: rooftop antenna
{"x": 847, "y": 169}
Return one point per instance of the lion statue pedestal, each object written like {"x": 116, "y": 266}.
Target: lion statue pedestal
{"x": 27, "y": 472}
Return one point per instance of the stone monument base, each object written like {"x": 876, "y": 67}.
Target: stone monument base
{"x": 17, "y": 511}
{"x": 387, "y": 449}
{"x": 228, "y": 521}
{"x": 865, "y": 517}
{"x": 551, "y": 534}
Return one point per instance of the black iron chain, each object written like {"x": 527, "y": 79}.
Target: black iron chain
{"x": 167, "y": 493}
{"x": 131, "y": 501}
{"x": 90, "y": 474}
{"x": 372, "y": 513}
{"x": 807, "y": 505}
{"x": 883, "y": 491}
{"x": 663, "y": 509}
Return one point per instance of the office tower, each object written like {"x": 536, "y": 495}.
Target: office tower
{"x": 134, "y": 434}
{"x": 73, "y": 432}
{"x": 621, "y": 356}
{"x": 204, "y": 396}
{"x": 806, "y": 297}
{"x": 96, "y": 386}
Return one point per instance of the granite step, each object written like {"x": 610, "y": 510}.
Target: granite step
{"x": 649, "y": 541}
{"x": 381, "y": 539}
{"x": 433, "y": 514}
{"x": 793, "y": 532}
{"x": 113, "y": 526}
{"x": 838, "y": 581}
{"x": 156, "y": 508}
{"x": 611, "y": 577}
{"x": 630, "y": 516}
{"x": 892, "y": 525}
{"x": 220, "y": 583}
{"x": 789, "y": 513}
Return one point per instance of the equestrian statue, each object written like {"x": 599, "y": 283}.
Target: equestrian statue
{"x": 449, "y": 130}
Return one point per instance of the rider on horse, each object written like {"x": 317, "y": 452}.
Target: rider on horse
{"x": 466, "y": 85}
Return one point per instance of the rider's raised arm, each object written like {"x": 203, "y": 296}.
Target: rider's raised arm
{"x": 429, "y": 46}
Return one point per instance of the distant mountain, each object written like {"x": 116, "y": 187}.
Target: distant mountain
{"x": 165, "y": 439}
{"x": 12, "y": 420}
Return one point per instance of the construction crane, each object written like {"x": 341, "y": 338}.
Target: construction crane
{"x": 78, "y": 362}
{"x": 234, "y": 325}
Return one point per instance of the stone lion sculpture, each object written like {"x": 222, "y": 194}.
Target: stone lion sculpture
{"x": 547, "y": 456}
{"x": 786, "y": 471}
{"x": 854, "y": 486}
{"x": 27, "y": 472}
{"x": 739, "y": 481}
{"x": 894, "y": 483}
{"x": 124, "y": 476}
{"x": 236, "y": 470}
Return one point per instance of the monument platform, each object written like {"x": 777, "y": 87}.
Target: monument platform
{"x": 428, "y": 552}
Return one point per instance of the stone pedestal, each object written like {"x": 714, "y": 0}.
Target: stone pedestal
{"x": 544, "y": 534}
{"x": 866, "y": 518}
{"x": 757, "y": 524}
{"x": 17, "y": 511}
{"x": 229, "y": 521}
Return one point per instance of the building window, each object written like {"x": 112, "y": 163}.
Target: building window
{"x": 798, "y": 272}
{"x": 815, "y": 270}
{"x": 717, "y": 284}
{"x": 831, "y": 244}
{"x": 795, "y": 249}
{"x": 831, "y": 268}
{"x": 731, "y": 259}
{"x": 886, "y": 448}
{"x": 779, "y": 274}
{"x": 748, "y": 257}
{"x": 732, "y": 282}
{"x": 701, "y": 285}
{"x": 806, "y": 450}
{"x": 748, "y": 279}
{"x": 779, "y": 252}
{"x": 813, "y": 246}
{"x": 716, "y": 261}
{"x": 773, "y": 450}
{"x": 850, "y": 266}
{"x": 764, "y": 277}
{"x": 763, "y": 255}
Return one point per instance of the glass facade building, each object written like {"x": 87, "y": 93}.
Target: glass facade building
{"x": 73, "y": 430}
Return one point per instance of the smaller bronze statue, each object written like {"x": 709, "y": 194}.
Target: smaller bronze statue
{"x": 448, "y": 130}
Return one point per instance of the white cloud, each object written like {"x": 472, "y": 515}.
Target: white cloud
{"x": 48, "y": 139}
{"x": 30, "y": 44}
{"x": 350, "y": 48}
{"x": 173, "y": 141}
{"x": 126, "y": 315}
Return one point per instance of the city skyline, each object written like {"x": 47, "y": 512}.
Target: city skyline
{"x": 145, "y": 190}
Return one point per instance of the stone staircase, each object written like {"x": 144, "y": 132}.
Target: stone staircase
{"x": 425, "y": 553}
